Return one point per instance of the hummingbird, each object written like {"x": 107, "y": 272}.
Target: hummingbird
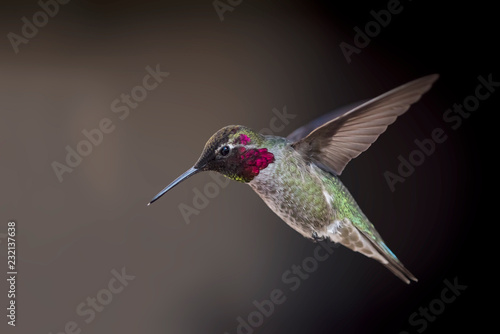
{"x": 298, "y": 176}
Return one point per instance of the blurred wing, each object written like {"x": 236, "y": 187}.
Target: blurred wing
{"x": 336, "y": 142}
{"x": 306, "y": 129}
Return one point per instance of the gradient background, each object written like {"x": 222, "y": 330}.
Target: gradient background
{"x": 199, "y": 277}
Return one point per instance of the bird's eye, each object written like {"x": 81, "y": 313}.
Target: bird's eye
{"x": 225, "y": 150}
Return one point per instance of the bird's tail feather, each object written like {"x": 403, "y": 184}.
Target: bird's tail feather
{"x": 368, "y": 242}
{"x": 391, "y": 262}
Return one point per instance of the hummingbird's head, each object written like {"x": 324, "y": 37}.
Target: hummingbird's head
{"x": 235, "y": 151}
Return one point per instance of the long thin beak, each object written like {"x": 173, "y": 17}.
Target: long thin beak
{"x": 178, "y": 180}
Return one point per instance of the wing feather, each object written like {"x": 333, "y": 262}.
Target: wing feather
{"x": 343, "y": 138}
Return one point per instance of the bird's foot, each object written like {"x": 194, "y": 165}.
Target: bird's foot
{"x": 316, "y": 237}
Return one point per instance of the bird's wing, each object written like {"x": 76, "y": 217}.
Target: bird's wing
{"x": 336, "y": 142}
{"x": 304, "y": 130}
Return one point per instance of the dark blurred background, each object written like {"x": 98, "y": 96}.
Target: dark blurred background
{"x": 200, "y": 274}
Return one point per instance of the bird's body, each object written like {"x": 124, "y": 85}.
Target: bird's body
{"x": 316, "y": 204}
{"x": 300, "y": 193}
{"x": 298, "y": 176}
